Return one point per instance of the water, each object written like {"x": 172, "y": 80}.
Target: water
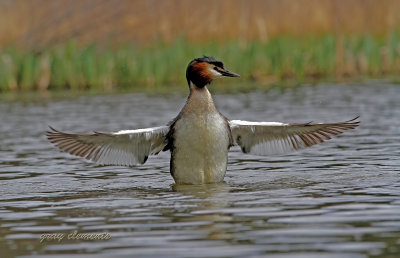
{"x": 338, "y": 199}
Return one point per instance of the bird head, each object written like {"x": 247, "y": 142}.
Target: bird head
{"x": 202, "y": 71}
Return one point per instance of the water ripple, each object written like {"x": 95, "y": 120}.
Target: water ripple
{"x": 339, "y": 199}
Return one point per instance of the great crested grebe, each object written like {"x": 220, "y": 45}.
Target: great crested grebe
{"x": 199, "y": 137}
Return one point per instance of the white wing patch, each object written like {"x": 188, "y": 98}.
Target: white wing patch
{"x": 241, "y": 122}
{"x": 263, "y": 138}
{"x": 126, "y": 147}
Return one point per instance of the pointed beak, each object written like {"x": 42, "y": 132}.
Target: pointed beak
{"x": 229, "y": 73}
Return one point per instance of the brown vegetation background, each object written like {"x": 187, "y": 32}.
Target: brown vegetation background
{"x": 39, "y": 23}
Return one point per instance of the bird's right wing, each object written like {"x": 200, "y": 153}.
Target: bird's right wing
{"x": 127, "y": 147}
{"x": 263, "y": 138}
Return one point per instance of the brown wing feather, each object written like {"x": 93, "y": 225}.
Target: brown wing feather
{"x": 120, "y": 148}
{"x": 266, "y": 138}
{"x": 72, "y": 144}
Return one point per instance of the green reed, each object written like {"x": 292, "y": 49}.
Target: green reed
{"x": 279, "y": 60}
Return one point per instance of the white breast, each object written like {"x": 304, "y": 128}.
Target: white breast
{"x": 201, "y": 141}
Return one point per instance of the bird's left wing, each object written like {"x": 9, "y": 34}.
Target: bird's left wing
{"x": 127, "y": 147}
{"x": 262, "y": 138}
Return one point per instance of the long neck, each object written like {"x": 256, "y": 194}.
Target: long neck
{"x": 199, "y": 100}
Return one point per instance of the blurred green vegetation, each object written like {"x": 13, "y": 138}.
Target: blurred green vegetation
{"x": 281, "y": 59}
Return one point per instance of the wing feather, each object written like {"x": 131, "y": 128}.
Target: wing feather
{"x": 264, "y": 138}
{"x": 127, "y": 147}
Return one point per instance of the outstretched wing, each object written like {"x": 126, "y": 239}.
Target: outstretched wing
{"x": 262, "y": 138}
{"x": 127, "y": 147}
